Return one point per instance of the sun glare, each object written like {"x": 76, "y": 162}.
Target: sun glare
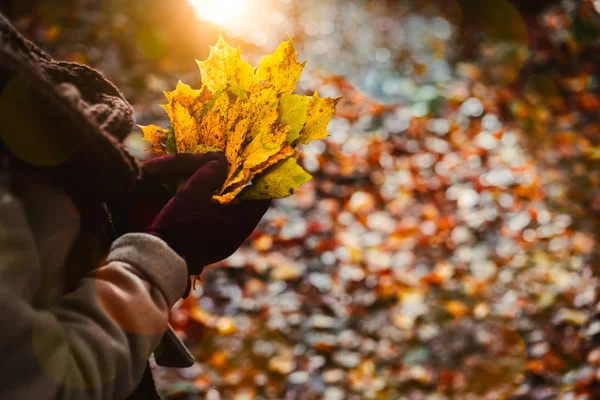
{"x": 261, "y": 22}
{"x": 224, "y": 13}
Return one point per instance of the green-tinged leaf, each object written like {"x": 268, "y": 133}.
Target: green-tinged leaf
{"x": 171, "y": 142}
{"x": 292, "y": 112}
{"x": 277, "y": 182}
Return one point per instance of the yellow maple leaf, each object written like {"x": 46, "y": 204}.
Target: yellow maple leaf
{"x": 281, "y": 69}
{"x": 263, "y": 146}
{"x": 255, "y": 129}
{"x": 156, "y": 136}
{"x": 252, "y": 115}
{"x": 293, "y": 109}
{"x": 224, "y": 64}
{"x": 241, "y": 179}
{"x": 279, "y": 181}
{"x": 319, "y": 112}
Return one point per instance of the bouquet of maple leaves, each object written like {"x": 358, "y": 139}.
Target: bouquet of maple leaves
{"x": 250, "y": 114}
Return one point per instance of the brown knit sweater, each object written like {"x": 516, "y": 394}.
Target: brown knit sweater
{"x": 64, "y": 118}
{"x": 62, "y": 123}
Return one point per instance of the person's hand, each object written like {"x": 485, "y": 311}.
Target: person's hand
{"x": 201, "y": 230}
{"x": 160, "y": 178}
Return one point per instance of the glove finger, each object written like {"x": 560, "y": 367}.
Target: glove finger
{"x": 244, "y": 217}
{"x": 142, "y": 212}
{"x": 256, "y": 209}
{"x": 175, "y": 166}
{"x": 208, "y": 179}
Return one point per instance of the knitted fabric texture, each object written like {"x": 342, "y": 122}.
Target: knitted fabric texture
{"x": 88, "y": 112}
{"x": 84, "y": 109}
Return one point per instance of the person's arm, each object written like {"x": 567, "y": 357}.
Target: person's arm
{"x": 95, "y": 342}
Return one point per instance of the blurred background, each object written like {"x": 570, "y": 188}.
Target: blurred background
{"x": 447, "y": 247}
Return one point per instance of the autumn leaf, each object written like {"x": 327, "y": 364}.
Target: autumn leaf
{"x": 170, "y": 142}
{"x": 156, "y": 136}
{"x": 224, "y": 64}
{"x": 319, "y": 112}
{"x": 280, "y": 69}
{"x": 293, "y": 109}
{"x": 279, "y": 181}
{"x": 252, "y": 115}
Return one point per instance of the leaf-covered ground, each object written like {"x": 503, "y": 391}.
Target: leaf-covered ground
{"x": 447, "y": 247}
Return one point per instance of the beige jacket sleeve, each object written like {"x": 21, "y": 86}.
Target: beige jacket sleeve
{"x": 94, "y": 343}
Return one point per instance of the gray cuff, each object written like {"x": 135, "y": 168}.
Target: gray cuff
{"x": 155, "y": 259}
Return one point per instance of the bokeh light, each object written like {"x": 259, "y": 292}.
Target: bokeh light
{"x": 28, "y": 127}
{"x": 260, "y": 22}
{"x": 151, "y": 42}
{"x": 447, "y": 245}
{"x": 224, "y": 13}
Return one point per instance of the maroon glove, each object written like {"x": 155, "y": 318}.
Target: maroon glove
{"x": 197, "y": 228}
{"x": 161, "y": 177}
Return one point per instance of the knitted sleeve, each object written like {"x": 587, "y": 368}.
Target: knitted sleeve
{"x": 94, "y": 343}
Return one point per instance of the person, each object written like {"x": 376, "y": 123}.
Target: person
{"x": 94, "y": 251}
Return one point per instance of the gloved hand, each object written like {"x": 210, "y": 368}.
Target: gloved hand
{"x": 199, "y": 229}
{"x": 160, "y": 178}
